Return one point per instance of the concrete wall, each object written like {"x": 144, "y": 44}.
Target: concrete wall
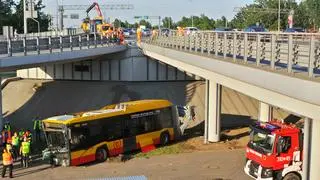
{"x": 131, "y": 65}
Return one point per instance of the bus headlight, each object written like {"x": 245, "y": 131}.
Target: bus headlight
{"x": 266, "y": 173}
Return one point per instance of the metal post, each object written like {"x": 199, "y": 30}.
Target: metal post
{"x": 190, "y": 43}
{"x": 196, "y": 47}
{"x": 25, "y": 24}
{"x": 216, "y": 41}
{"x": 50, "y": 44}
{"x": 9, "y": 47}
{"x": 88, "y": 41}
{"x": 61, "y": 44}
{"x": 245, "y": 56}
{"x": 185, "y": 42}
{"x": 101, "y": 40}
{"x": 80, "y": 42}
{"x": 38, "y": 44}
{"x": 71, "y": 44}
{"x": 306, "y": 149}
{"x": 234, "y": 46}
{"x": 311, "y": 56}
{"x": 258, "y": 50}
{"x": 290, "y": 50}
{"x": 202, "y": 42}
{"x": 273, "y": 50}
{"x": 279, "y": 14}
{"x": 209, "y": 44}
{"x": 95, "y": 40}
{"x": 224, "y": 45}
{"x": 24, "y": 42}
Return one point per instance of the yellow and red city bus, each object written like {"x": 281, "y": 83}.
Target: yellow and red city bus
{"x": 80, "y": 138}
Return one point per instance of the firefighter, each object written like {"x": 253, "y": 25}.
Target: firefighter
{"x": 180, "y": 31}
{"x": 5, "y": 136}
{"x": 15, "y": 145}
{"x": 37, "y": 129}
{"x": 154, "y": 34}
{"x": 25, "y": 152}
{"x": 7, "y": 161}
{"x": 139, "y": 33}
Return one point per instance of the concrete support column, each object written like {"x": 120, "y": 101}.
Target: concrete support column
{"x": 306, "y": 149}
{"x": 314, "y": 162}
{"x": 213, "y": 111}
{"x": 265, "y": 112}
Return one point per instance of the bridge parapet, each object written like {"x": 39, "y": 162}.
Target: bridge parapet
{"x": 295, "y": 53}
{"x": 49, "y": 45}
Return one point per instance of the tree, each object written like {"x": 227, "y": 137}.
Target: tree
{"x": 145, "y": 23}
{"x": 168, "y": 22}
{"x": 313, "y": 10}
{"x": 223, "y": 22}
{"x": 43, "y": 18}
{"x": 6, "y": 16}
{"x": 264, "y": 12}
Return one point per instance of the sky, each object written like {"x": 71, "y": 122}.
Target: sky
{"x": 172, "y": 8}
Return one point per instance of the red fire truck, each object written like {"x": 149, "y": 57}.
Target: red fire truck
{"x": 274, "y": 151}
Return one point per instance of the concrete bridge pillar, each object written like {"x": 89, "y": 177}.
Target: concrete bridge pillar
{"x": 314, "y": 162}
{"x": 265, "y": 112}
{"x": 213, "y": 111}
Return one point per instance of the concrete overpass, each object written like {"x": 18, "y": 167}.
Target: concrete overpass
{"x": 28, "y": 53}
{"x": 277, "y": 69}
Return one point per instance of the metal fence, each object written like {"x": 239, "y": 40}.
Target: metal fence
{"x": 295, "y": 52}
{"x": 65, "y": 32}
{"x": 50, "y": 44}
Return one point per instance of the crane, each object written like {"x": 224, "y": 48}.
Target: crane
{"x": 62, "y": 8}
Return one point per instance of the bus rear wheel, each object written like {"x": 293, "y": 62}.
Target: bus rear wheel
{"x": 164, "y": 138}
{"x": 101, "y": 155}
{"x": 291, "y": 176}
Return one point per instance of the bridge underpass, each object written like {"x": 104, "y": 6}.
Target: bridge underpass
{"x": 271, "y": 86}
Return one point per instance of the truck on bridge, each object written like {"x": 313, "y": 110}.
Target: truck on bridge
{"x": 274, "y": 151}
{"x": 96, "y": 25}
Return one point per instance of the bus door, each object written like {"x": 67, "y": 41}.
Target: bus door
{"x": 129, "y": 135}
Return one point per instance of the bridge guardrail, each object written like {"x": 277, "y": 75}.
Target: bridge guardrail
{"x": 50, "y": 44}
{"x": 295, "y": 52}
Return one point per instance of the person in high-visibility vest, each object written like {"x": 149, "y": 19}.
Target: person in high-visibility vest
{"x": 15, "y": 145}
{"x": 24, "y": 152}
{"x": 139, "y": 34}
{"x": 7, "y": 161}
{"x": 37, "y": 129}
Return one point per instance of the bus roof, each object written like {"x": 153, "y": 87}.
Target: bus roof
{"x": 110, "y": 111}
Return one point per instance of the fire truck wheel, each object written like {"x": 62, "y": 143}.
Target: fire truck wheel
{"x": 164, "y": 138}
{"x": 292, "y": 176}
{"x": 101, "y": 155}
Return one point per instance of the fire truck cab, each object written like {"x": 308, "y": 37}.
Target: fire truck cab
{"x": 274, "y": 151}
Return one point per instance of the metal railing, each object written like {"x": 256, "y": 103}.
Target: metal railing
{"x": 294, "y": 52}
{"x": 50, "y": 44}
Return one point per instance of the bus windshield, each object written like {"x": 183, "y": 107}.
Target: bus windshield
{"x": 262, "y": 142}
{"x": 56, "y": 139}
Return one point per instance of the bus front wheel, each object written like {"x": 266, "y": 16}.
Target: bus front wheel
{"x": 101, "y": 155}
{"x": 164, "y": 138}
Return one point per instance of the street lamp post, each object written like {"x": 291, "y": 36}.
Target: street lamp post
{"x": 279, "y": 16}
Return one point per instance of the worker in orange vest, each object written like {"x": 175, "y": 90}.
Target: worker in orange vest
{"x": 7, "y": 161}
{"x": 139, "y": 34}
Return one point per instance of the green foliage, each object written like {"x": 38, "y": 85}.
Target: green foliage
{"x": 266, "y": 13}
{"x": 145, "y": 23}
{"x": 11, "y": 14}
{"x": 203, "y": 22}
